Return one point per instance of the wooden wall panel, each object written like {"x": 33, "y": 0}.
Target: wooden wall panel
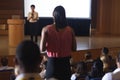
{"x": 11, "y": 4}
{"x": 8, "y": 8}
{"x": 2, "y": 21}
{"x": 11, "y": 12}
{"x": 115, "y": 29}
{"x": 104, "y": 16}
{"x": 108, "y": 17}
{"x": 11, "y": 7}
{"x": 106, "y": 20}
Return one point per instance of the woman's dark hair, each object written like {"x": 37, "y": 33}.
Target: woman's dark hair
{"x": 88, "y": 55}
{"x": 32, "y": 5}
{"x": 60, "y": 17}
{"x": 105, "y": 50}
{"x": 97, "y": 69}
{"x": 81, "y": 67}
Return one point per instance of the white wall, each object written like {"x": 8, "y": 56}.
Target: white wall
{"x": 74, "y": 8}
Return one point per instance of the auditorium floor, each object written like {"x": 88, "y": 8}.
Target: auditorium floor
{"x": 82, "y": 43}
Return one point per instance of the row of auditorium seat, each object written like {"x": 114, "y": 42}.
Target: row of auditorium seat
{"x": 77, "y": 55}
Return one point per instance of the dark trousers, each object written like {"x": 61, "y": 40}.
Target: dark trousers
{"x": 34, "y": 38}
{"x": 58, "y": 68}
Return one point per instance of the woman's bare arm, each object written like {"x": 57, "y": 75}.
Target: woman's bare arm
{"x": 43, "y": 40}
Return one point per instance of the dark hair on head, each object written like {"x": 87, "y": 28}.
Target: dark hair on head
{"x": 105, "y": 50}
{"x": 28, "y": 54}
{"x": 98, "y": 64}
{"x": 60, "y": 17}
{"x": 97, "y": 68}
{"x": 88, "y": 55}
{"x": 81, "y": 67}
{"x": 32, "y": 5}
{"x": 4, "y": 61}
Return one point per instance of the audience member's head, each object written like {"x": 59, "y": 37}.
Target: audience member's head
{"x": 59, "y": 17}
{"x": 28, "y": 56}
{"x": 81, "y": 68}
{"x": 105, "y": 51}
{"x": 4, "y": 61}
{"x": 88, "y": 55}
{"x": 73, "y": 68}
{"x": 97, "y": 69}
{"x": 98, "y": 64}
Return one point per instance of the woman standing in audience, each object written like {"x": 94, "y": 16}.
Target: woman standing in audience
{"x": 59, "y": 41}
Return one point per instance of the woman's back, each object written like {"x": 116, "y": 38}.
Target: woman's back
{"x": 59, "y": 43}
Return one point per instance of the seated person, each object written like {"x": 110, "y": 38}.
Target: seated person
{"x": 44, "y": 58}
{"x": 115, "y": 75}
{"x": 81, "y": 71}
{"x": 89, "y": 61}
{"x": 4, "y": 64}
{"x": 43, "y": 67}
{"x": 88, "y": 57}
{"x": 97, "y": 71}
{"x": 28, "y": 59}
{"x": 73, "y": 68}
{"x": 106, "y": 59}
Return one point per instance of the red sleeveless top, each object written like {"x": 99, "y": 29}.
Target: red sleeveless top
{"x": 59, "y": 44}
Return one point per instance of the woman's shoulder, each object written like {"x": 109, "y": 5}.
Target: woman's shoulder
{"x": 48, "y": 26}
{"x": 69, "y": 28}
